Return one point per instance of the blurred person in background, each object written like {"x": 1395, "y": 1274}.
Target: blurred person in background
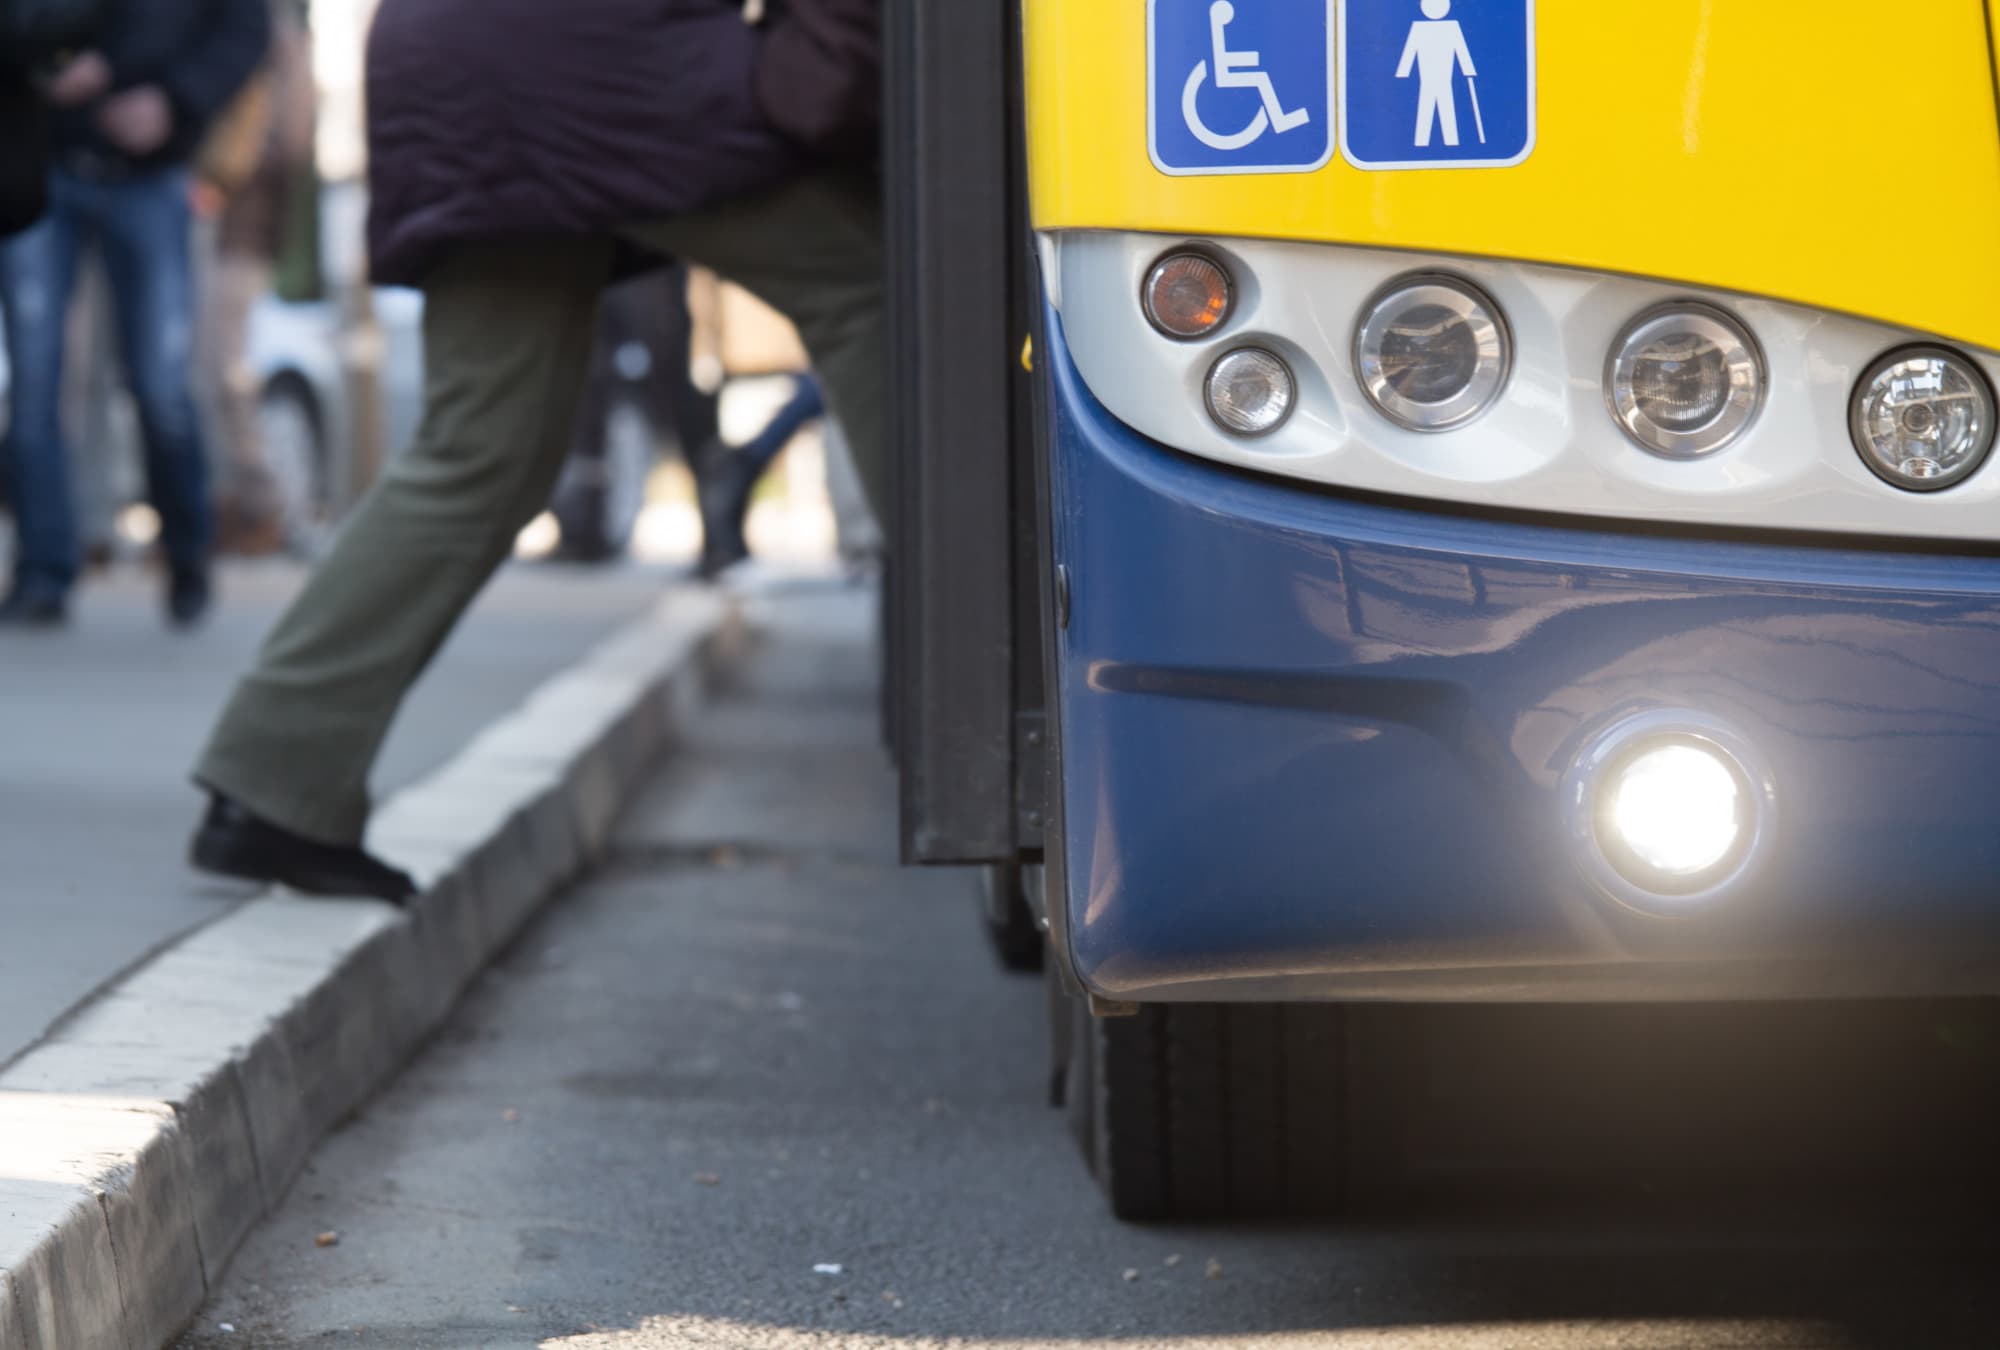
{"x": 24, "y": 173}
{"x": 249, "y": 171}
{"x": 37, "y": 38}
{"x": 522, "y": 153}
{"x": 644, "y": 355}
{"x": 725, "y": 493}
{"x": 645, "y": 320}
{"x": 125, "y": 118}
{"x": 34, "y": 38}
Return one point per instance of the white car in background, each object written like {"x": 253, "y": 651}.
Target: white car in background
{"x": 305, "y": 418}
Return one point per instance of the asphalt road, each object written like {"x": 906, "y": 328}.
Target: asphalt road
{"x": 100, "y": 723}
{"x": 755, "y": 1086}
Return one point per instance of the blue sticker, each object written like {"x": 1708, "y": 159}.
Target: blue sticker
{"x": 1240, "y": 86}
{"x": 1436, "y": 84}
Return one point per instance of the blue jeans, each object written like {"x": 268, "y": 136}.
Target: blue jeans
{"x": 140, "y": 226}
{"x": 806, "y": 403}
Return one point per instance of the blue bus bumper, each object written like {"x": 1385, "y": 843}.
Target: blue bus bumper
{"x": 1314, "y": 747}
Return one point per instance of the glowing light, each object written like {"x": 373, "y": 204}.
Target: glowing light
{"x": 1676, "y": 808}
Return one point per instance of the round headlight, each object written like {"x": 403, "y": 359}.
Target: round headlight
{"x": 1187, "y": 296}
{"x": 1923, "y": 418}
{"x": 1684, "y": 381}
{"x": 1250, "y": 391}
{"x": 1432, "y": 352}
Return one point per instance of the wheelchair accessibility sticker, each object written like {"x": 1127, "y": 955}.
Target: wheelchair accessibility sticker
{"x": 1436, "y": 84}
{"x": 1240, "y": 86}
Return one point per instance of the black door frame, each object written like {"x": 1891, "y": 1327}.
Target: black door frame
{"x": 965, "y": 674}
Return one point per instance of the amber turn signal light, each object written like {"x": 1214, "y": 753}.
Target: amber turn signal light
{"x": 1187, "y": 296}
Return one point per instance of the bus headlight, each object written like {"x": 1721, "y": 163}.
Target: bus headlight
{"x": 1923, "y": 418}
{"x": 1187, "y": 296}
{"x": 1250, "y": 391}
{"x": 1684, "y": 381}
{"x": 1432, "y": 352}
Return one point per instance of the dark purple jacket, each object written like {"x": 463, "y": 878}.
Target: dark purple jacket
{"x": 523, "y": 119}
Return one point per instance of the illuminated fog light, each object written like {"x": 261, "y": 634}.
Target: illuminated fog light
{"x": 1677, "y": 808}
{"x": 1684, "y": 381}
{"x": 1432, "y": 353}
{"x": 1669, "y": 811}
{"x": 1250, "y": 391}
{"x": 1187, "y": 296}
{"x": 1923, "y": 418}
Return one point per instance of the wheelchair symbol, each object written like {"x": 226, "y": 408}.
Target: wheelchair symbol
{"x": 1235, "y": 70}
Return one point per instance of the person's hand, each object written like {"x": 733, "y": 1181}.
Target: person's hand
{"x": 137, "y": 121}
{"x": 82, "y": 80}
{"x": 206, "y": 199}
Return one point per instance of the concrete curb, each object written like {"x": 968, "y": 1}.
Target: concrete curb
{"x": 144, "y": 1138}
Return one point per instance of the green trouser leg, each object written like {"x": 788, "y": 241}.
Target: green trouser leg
{"x": 507, "y": 334}
{"x": 812, "y": 250}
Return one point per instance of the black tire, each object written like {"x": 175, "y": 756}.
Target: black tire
{"x": 293, "y": 437}
{"x": 1009, "y": 922}
{"x": 1210, "y": 1111}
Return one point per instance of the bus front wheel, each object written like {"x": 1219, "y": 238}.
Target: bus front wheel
{"x": 1208, "y": 1111}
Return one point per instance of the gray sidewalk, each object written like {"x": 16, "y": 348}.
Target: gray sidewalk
{"x": 99, "y": 724}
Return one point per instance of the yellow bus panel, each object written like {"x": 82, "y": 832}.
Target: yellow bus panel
{"x": 1842, "y": 153}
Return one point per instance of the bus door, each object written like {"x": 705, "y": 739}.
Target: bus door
{"x": 964, "y": 679}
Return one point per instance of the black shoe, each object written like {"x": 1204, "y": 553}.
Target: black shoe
{"x": 724, "y": 497}
{"x": 717, "y": 558}
{"x": 188, "y": 597}
{"x": 233, "y": 843}
{"x": 24, "y": 608}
